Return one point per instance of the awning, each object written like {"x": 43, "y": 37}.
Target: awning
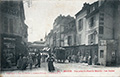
{"x": 46, "y": 49}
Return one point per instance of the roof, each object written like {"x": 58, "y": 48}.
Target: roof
{"x": 83, "y": 9}
{"x": 86, "y": 7}
{"x": 95, "y": 11}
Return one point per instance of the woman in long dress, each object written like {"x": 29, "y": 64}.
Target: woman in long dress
{"x": 50, "y": 61}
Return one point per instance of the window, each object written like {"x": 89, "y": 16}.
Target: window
{"x": 74, "y": 39}
{"x": 101, "y": 23}
{"x": 5, "y": 24}
{"x": 80, "y": 24}
{"x": 69, "y": 40}
{"x": 101, "y": 53}
{"x": 92, "y": 22}
{"x": 101, "y": 30}
{"x": 102, "y": 14}
{"x": 11, "y": 25}
{"x": 101, "y": 19}
{"x": 91, "y": 39}
{"x": 80, "y": 39}
{"x": 91, "y": 36}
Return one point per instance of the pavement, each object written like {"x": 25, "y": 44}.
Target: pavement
{"x": 66, "y": 69}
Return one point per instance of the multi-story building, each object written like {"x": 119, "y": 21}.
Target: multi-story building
{"x": 37, "y": 46}
{"x": 81, "y": 24}
{"x": 12, "y": 15}
{"x": 58, "y": 29}
{"x": 49, "y": 40}
{"x": 100, "y": 27}
{"x": 70, "y": 34}
{"x": 13, "y": 30}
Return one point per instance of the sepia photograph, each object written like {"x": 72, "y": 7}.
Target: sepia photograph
{"x": 59, "y": 38}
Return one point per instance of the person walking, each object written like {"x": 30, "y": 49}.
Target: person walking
{"x": 38, "y": 60}
{"x": 24, "y": 63}
{"x": 95, "y": 60}
{"x": 50, "y": 61}
{"x": 19, "y": 62}
{"x": 69, "y": 59}
{"x": 30, "y": 62}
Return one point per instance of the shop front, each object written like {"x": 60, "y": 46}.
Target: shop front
{"x": 9, "y": 47}
{"x": 107, "y": 52}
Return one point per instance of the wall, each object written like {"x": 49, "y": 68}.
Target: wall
{"x": 82, "y": 32}
{"x": 93, "y": 29}
{"x": 19, "y": 27}
{"x": 66, "y": 38}
{"x": 102, "y": 61}
{"x": 108, "y": 22}
{"x": 117, "y": 29}
{"x": 102, "y": 46}
{"x": 111, "y": 51}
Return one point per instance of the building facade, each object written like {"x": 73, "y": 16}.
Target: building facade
{"x": 49, "y": 40}
{"x": 58, "y": 29}
{"x": 70, "y": 34}
{"x": 95, "y": 34}
{"x": 81, "y": 24}
{"x": 13, "y": 30}
{"x": 96, "y": 24}
{"x": 12, "y": 15}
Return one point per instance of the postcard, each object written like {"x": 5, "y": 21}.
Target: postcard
{"x": 59, "y": 38}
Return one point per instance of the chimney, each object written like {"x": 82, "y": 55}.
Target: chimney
{"x": 85, "y": 5}
{"x": 101, "y": 2}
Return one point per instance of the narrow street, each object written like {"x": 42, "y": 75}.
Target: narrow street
{"x": 67, "y": 69}
{"x": 54, "y": 38}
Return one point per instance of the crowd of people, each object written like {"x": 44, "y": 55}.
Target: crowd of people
{"x": 81, "y": 59}
{"x": 34, "y": 61}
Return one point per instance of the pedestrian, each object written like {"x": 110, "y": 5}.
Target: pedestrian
{"x": 19, "y": 62}
{"x": 8, "y": 62}
{"x": 30, "y": 62}
{"x": 38, "y": 60}
{"x": 89, "y": 60}
{"x": 95, "y": 60}
{"x": 50, "y": 61}
{"x": 77, "y": 58}
{"x": 24, "y": 63}
{"x": 69, "y": 59}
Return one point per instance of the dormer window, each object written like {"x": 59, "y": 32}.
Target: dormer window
{"x": 92, "y": 9}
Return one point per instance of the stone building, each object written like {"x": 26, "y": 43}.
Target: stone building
{"x": 12, "y": 19}
{"x": 13, "y": 30}
{"x": 58, "y": 29}
{"x": 70, "y": 34}
{"x": 49, "y": 40}
{"x": 97, "y": 24}
{"x": 37, "y": 46}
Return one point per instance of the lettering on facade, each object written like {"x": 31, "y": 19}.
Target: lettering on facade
{"x": 7, "y": 38}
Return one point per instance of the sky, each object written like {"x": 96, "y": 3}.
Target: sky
{"x": 41, "y": 14}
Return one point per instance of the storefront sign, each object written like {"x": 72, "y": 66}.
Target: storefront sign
{"x": 7, "y": 38}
